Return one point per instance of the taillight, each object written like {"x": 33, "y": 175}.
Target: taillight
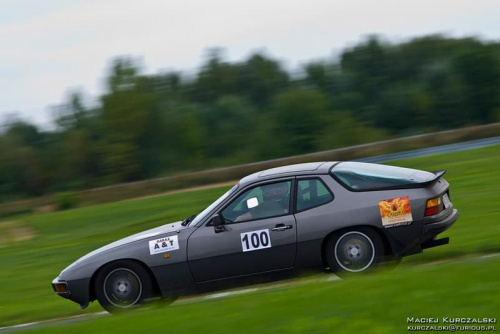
{"x": 433, "y": 206}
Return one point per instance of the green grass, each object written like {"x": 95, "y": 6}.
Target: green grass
{"x": 28, "y": 267}
{"x": 474, "y": 179}
{"x": 378, "y": 303}
{"x": 54, "y": 240}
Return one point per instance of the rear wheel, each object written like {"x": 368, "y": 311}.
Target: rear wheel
{"x": 354, "y": 251}
{"x": 122, "y": 285}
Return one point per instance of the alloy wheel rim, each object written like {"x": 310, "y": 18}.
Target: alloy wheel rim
{"x": 122, "y": 288}
{"x": 354, "y": 251}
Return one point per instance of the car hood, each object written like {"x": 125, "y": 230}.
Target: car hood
{"x": 171, "y": 227}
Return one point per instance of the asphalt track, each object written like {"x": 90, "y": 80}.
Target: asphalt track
{"x": 464, "y": 146}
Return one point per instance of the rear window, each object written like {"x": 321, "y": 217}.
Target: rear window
{"x": 367, "y": 176}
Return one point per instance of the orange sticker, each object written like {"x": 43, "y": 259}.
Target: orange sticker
{"x": 395, "y": 211}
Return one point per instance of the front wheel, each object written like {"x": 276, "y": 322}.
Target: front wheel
{"x": 122, "y": 285}
{"x": 354, "y": 251}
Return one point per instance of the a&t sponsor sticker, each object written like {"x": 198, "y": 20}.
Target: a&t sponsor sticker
{"x": 395, "y": 211}
{"x": 163, "y": 245}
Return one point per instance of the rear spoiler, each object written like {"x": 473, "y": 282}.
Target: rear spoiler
{"x": 437, "y": 176}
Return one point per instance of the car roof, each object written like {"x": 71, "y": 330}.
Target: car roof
{"x": 310, "y": 168}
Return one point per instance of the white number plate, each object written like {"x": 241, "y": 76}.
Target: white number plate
{"x": 255, "y": 240}
{"x": 446, "y": 201}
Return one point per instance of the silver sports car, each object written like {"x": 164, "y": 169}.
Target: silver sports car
{"x": 343, "y": 217}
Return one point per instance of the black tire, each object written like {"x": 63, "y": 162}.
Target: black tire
{"x": 122, "y": 285}
{"x": 355, "y": 251}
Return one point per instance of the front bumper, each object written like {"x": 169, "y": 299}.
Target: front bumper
{"x": 74, "y": 290}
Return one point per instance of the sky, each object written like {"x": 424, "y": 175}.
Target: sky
{"x": 50, "y": 48}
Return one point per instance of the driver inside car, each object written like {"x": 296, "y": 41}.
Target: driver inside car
{"x": 275, "y": 203}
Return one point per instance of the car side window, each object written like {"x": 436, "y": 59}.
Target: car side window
{"x": 265, "y": 201}
{"x": 312, "y": 193}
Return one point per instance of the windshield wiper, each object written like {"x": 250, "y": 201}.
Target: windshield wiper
{"x": 189, "y": 219}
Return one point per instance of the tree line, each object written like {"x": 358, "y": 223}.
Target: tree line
{"x": 229, "y": 113}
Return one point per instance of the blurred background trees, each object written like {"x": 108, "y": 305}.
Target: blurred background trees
{"x": 230, "y": 113}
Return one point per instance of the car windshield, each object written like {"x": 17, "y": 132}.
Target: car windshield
{"x": 202, "y": 214}
{"x": 366, "y": 176}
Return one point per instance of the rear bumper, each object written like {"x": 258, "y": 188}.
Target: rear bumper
{"x": 414, "y": 238}
{"x": 430, "y": 231}
{"x": 75, "y": 290}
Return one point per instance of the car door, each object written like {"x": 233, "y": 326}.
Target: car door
{"x": 258, "y": 236}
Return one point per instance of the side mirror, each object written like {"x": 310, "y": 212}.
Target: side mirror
{"x": 218, "y": 224}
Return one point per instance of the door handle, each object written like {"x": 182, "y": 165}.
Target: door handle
{"x": 281, "y": 227}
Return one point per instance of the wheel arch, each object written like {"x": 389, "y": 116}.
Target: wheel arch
{"x": 383, "y": 237}
{"x": 155, "y": 287}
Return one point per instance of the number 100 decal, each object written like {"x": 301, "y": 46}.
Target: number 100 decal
{"x": 254, "y": 240}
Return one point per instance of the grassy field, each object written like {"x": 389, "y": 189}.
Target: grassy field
{"x": 35, "y": 248}
{"x": 379, "y": 303}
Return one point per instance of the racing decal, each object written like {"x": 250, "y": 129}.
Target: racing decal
{"x": 255, "y": 240}
{"x": 395, "y": 211}
{"x": 163, "y": 245}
